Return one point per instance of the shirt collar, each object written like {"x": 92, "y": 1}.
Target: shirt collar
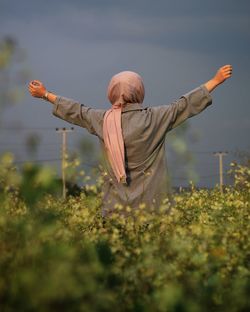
{"x": 132, "y": 107}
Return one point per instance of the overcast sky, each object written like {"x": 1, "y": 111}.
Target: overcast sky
{"x": 75, "y": 47}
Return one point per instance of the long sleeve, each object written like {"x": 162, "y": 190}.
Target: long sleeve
{"x": 79, "y": 114}
{"x": 190, "y": 104}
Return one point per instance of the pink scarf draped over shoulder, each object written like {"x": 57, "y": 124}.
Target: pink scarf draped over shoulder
{"x": 124, "y": 88}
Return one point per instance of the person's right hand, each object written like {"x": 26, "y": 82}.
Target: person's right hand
{"x": 37, "y": 89}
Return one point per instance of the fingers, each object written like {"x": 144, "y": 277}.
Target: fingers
{"x": 33, "y": 87}
{"x": 226, "y": 71}
{"x": 36, "y": 82}
{"x": 31, "y": 90}
{"x": 227, "y": 68}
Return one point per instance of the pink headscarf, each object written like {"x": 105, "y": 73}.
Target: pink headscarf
{"x": 124, "y": 88}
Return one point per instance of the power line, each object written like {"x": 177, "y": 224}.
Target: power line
{"x": 29, "y": 128}
{"x": 91, "y": 165}
{"x": 26, "y": 144}
{"x": 36, "y": 160}
{"x": 202, "y": 152}
{"x": 202, "y": 177}
{"x": 26, "y": 129}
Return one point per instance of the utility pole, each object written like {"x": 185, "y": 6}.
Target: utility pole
{"x": 220, "y": 155}
{"x": 64, "y": 132}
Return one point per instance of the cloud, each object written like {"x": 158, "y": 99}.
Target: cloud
{"x": 136, "y": 8}
{"x": 195, "y": 32}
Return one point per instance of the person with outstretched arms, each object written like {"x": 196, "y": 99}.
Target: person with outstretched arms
{"x": 132, "y": 137}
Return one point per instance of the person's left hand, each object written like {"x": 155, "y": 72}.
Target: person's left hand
{"x": 37, "y": 89}
{"x": 223, "y": 73}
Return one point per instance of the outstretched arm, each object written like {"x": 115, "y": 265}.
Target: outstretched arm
{"x": 70, "y": 110}
{"x": 192, "y": 103}
{"x": 222, "y": 74}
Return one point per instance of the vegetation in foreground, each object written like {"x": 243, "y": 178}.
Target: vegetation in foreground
{"x": 60, "y": 255}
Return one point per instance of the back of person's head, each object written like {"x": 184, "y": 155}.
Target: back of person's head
{"x": 126, "y": 87}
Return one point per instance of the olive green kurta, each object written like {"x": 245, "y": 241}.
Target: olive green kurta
{"x": 144, "y": 131}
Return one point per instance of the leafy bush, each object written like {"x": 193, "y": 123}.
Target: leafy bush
{"x": 60, "y": 255}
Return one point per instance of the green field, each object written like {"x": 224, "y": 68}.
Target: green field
{"x": 60, "y": 255}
